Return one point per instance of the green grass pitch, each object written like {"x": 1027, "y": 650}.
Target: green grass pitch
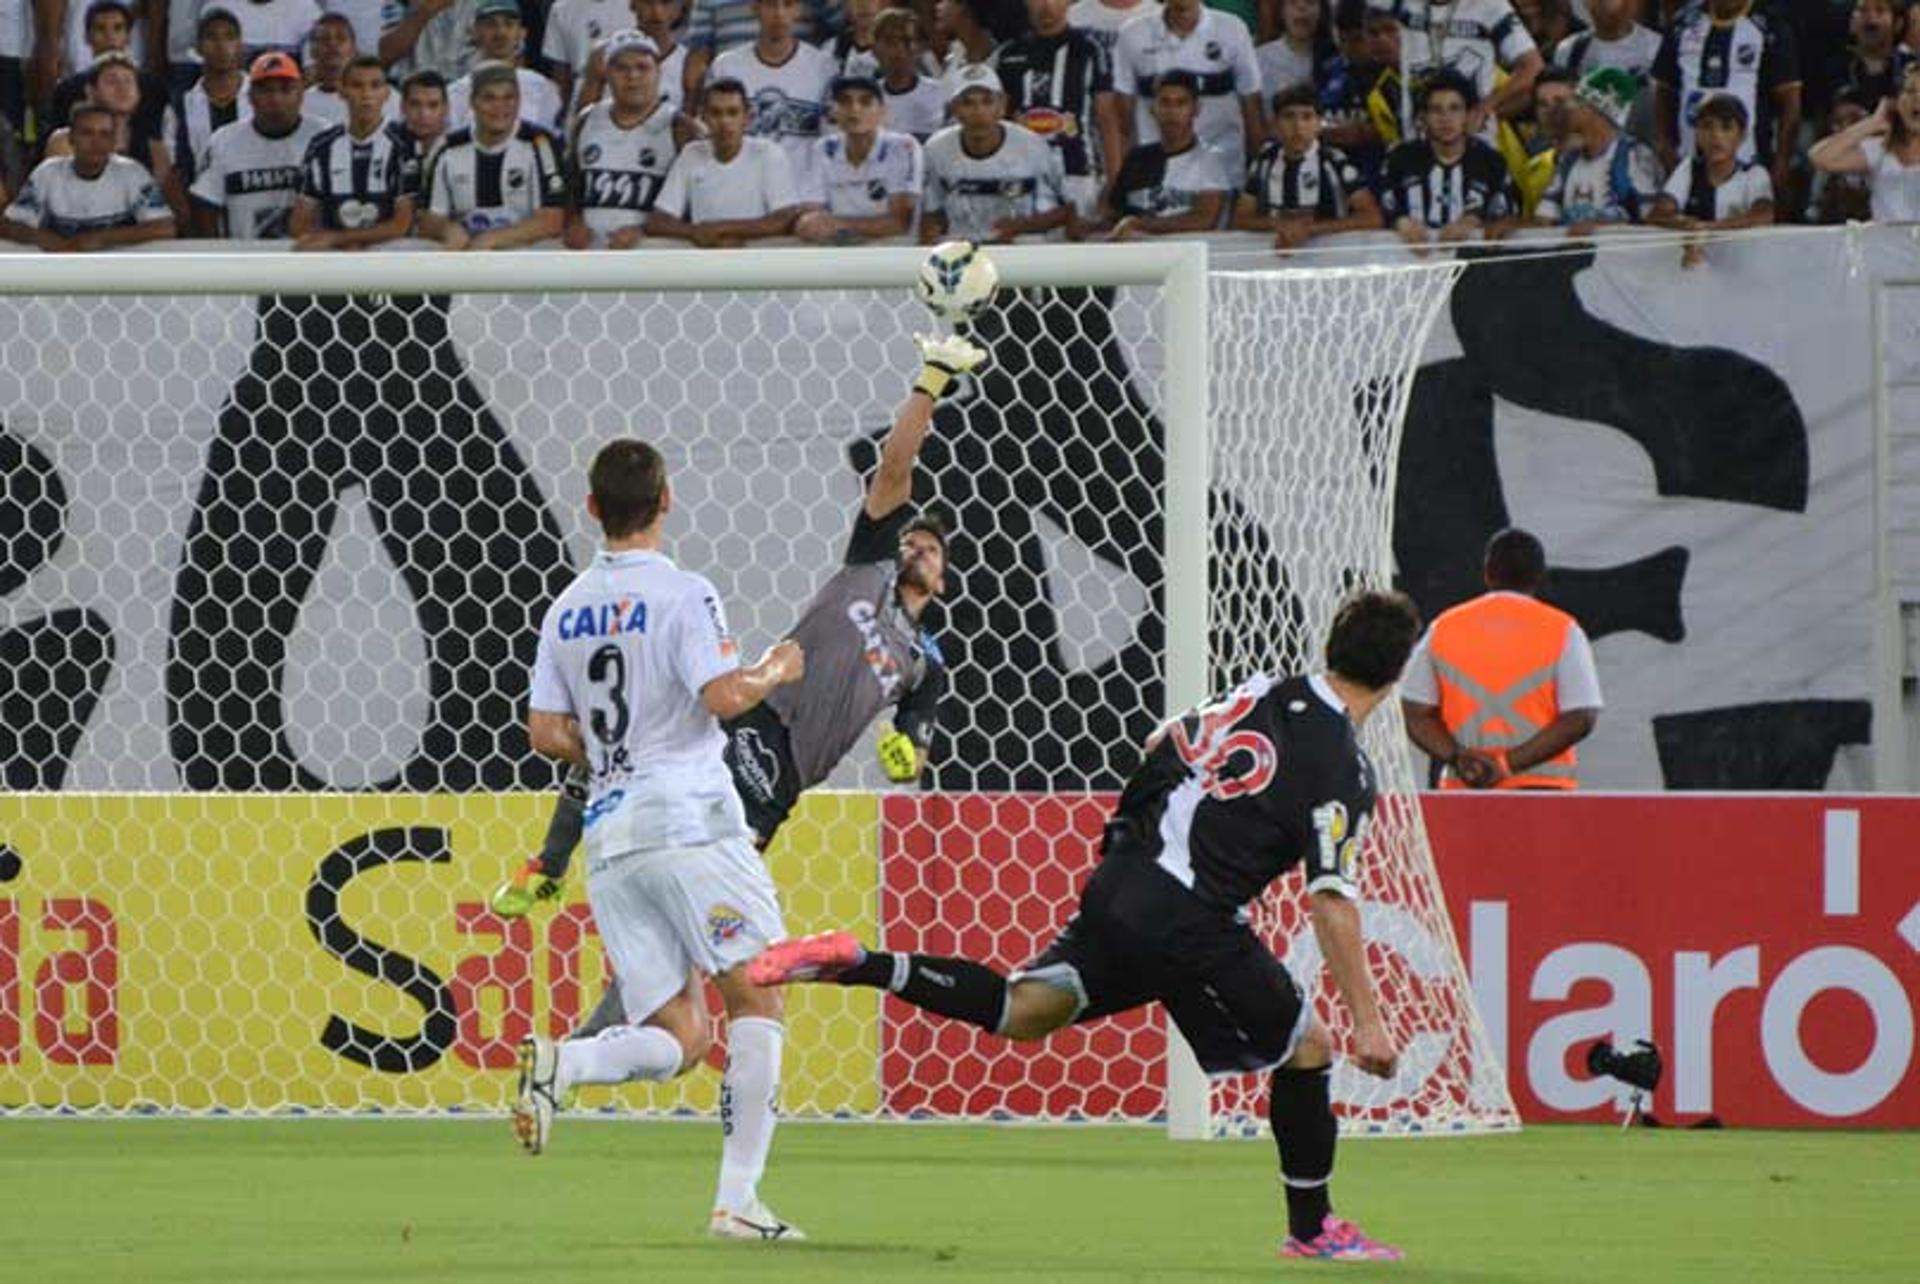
{"x": 378, "y": 1200}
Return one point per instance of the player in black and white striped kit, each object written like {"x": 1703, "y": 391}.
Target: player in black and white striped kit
{"x": 623, "y": 146}
{"x": 354, "y": 186}
{"x": 1059, "y": 84}
{"x": 1228, "y": 798}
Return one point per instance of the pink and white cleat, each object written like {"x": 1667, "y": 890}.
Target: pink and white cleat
{"x": 1339, "y": 1241}
{"x": 805, "y": 958}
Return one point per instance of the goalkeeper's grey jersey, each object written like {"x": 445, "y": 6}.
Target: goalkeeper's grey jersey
{"x": 1022, "y": 177}
{"x": 864, "y": 653}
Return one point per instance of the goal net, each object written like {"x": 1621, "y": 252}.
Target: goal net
{"x": 270, "y": 572}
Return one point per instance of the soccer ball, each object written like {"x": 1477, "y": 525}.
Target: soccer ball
{"x": 956, "y": 280}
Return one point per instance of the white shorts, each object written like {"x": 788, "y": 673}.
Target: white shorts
{"x": 670, "y": 911}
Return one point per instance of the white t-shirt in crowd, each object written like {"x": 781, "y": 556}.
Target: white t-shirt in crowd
{"x": 1896, "y": 187}
{"x": 701, "y": 188}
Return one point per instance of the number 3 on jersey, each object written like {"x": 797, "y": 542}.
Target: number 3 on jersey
{"x": 1211, "y": 752}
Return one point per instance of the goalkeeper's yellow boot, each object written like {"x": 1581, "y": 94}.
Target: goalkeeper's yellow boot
{"x": 528, "y": 887}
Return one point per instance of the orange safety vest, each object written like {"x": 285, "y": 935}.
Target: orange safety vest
{"x": 1495, "y": 659}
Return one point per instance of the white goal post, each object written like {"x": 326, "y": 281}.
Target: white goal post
{"x": 1241, "y": 480}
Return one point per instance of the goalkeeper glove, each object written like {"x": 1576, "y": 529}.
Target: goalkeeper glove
{"x": 899, "y": 756}
{"x": 527, "y": 888}
{"x": 944, "y": 359}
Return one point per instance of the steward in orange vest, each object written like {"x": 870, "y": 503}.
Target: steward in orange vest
{"x": 1501, "y": 688}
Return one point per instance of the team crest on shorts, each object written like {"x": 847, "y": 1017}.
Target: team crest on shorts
{"x": 724, "y": 923}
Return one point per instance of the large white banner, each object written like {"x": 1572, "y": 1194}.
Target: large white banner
{"x": 308, "y": 550}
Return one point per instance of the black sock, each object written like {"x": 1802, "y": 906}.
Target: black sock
{"x": 957, "y": 988}
{"x": 563, "y": 831}
{"x": 1301, "y": 1113}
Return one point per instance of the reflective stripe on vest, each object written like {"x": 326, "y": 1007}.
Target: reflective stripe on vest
{"x": 1483, "y": 715}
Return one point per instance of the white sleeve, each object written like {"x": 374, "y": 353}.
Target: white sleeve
{"x": 149, "y": 206}
{"x": 1419, "y": 683}
{"x": 703, "y": 648}
{"x": 1126, "y": 80}
{"x": 28, "y": 209}
{"x": 811, "y": 189}
{"x": 1679, "y": 181}
{"x": 554, "y": 47}
{"x": 908, "y": 180}
{"x": 776, "y": 180}
{"x": 1220, "y": 179}
{"x": 1246, "y": 67}
{"x": 1576, "y": 683}
{"x": 672, "y": 196}
{"x": 549, "y": 691}
{"x": 931, "y": 187}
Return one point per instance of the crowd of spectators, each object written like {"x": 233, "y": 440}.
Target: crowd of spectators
{"x": 486, "y": 124}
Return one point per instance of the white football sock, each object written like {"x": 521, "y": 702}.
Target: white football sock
{"x": 619, "y": 1054}
{"x": 749, "y": 1097}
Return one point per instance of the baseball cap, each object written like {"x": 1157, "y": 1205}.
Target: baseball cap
{"x": 219, "y": 13}
{"x": 275, "y": 65}
{"x": 488, "y": 8}
{"x": 975, "y": 75}
{"x": 628, "y": 40}
{"x": 845, "y": 84}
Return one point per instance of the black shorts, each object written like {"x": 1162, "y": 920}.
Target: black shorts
{"x": 761, "y": 759}
{"x": 1139, "y": 936}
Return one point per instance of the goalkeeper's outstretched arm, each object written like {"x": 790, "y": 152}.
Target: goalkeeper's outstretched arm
{"x": 942, "y": 361}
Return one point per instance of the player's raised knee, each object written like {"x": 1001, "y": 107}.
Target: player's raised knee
{"x": 1037, "y": 1008}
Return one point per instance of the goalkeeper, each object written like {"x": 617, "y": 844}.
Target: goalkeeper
{"x": 865, "y": 652}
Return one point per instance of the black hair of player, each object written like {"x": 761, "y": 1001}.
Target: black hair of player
{"x": 1300, "y": 95}
{"x": 729, "y": 85}
{"x": 1372, "y": 635}
{"x": 1724, "y": 108}
{"x": 333, "y": 19}
{"x": 628, "y": 482}
{"x": 425, "y": 78}
{"x": 1178, "y": 78}
{"x": 929, "y": 523}
{"x": 1449, "y": 81}
{"x": 364, "y": 60}
{"x": 1350, "y": 16}
{"x": 1516, "y": 561}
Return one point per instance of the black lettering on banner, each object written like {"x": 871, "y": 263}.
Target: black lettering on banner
{"x": 392, "y": 1054}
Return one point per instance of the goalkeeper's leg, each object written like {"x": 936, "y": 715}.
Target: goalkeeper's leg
{"x": 540, "y": 878}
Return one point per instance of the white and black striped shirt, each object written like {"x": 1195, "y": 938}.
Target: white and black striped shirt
{"x": 355, "y": 181}
{"x": 483, "y": 188}
{"x": 1156, "y": 183}
{"x": 618, "y": 171}
{"x": 1321, "y": 181}
{"x": 1419, "y": 185}
{"x": 195, "y": 122}
{"x": 1051, "y": 82}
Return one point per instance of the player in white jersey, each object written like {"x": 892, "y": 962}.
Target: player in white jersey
{"x": 726, "y": 189}
{"x": 1178, "y": 186}
{"x": 634, "y": 671}
{"x": 1103, "y": 20}
{"x": 623, "y": 147}
{"x": 863, "y": 182}
{"x": 1215, "y": 47}
{"x": 786, "y": 79}
{"x": 988, "y": 179}
{"x": 246, "y": 189}
{"x": 91, "y": 200}
{"x": 1715, "y": 189}
{"x": 575, "y": 29}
